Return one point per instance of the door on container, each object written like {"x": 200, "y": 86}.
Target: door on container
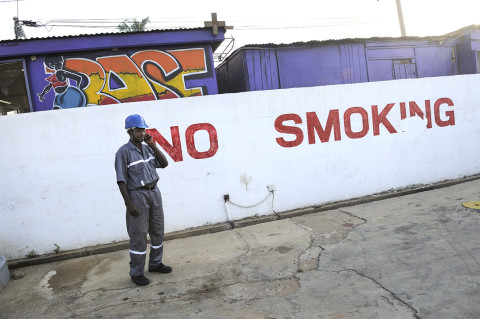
{"x": 14, "y": 96}
{"x": 404, "y": 69}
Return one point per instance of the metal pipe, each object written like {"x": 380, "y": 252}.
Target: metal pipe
{"x": 226, "y": 198}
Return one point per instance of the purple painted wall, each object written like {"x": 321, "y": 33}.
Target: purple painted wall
{"x": 236, "y": 67}
{"x": 69, "y": 72}
{"x": 314, "y": 66}
{"x": 444, "y": 57}
{"x": 410, "y": 59}
{"x": 346, "y": 61}
{"x": 468, "y": 46}
{"x": 309, "y": 69}
{"x": 465, "y": 55}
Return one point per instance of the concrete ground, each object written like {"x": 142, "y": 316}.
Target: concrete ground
{"x": 413, "y": 256}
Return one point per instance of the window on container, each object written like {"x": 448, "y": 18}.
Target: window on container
{"x": 13, "y": 89}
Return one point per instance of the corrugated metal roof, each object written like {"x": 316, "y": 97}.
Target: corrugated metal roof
{"x": 105, "y": 33}
{"x": 463, "y": 30}
{"x": 372, "y": 39}
{"x": 106, "y": 41}
{"x": 347, "y": 40}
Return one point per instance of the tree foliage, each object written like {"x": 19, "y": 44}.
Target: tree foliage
{"x": 133, "y": 25}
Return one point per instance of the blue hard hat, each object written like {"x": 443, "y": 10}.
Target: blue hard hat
{"x": 135, "y": 120}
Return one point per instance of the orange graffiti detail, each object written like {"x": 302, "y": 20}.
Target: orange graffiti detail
{"x": 96, "y": 76}
{"x": 192, "y": 61}
{"x": 132, "y": 84}
{"x": 158, "y": 67}
{"x": 144, "y": 76}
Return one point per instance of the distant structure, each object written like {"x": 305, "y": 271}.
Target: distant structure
{"x": 316, "y": 63}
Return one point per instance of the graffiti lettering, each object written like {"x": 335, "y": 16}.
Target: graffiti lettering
{"x": 142, "y": 76}
{"x": 378, "y": 119}
{"x": 174, "y": 150}
{"x": 122, "y": 76}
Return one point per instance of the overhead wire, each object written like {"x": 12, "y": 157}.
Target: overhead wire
{"x": 299, "y": 27}
{"x": 191, "y": 22}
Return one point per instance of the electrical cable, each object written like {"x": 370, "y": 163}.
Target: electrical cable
{"x": 329, "y": 25}
{"x": 227, "y": 199}
{"x": 250, "y": 206}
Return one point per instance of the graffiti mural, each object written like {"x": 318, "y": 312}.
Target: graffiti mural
{"x": 66, "y": 95}
{"x": 139, "y": 76}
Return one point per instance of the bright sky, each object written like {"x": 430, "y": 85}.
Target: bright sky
{"x": 254, "y": 21}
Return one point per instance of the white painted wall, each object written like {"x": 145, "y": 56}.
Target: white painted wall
{"x": 58, "y": 181}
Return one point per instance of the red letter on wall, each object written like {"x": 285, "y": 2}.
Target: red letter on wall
{"x": 415, "y": 110}
{"x": 313, "y": 125}
{"x": 381, "y": 118}
{"x": 348, "y": 124}
{"x": 289, "y": 130}
{"x": 450, "y": 114}
{"x": 212, "y": 134}
{"x": 174, "y": 149}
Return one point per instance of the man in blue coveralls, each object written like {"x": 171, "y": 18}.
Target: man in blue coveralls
{"x": 136, "y": 164}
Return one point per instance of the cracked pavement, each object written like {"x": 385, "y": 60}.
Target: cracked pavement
{"x": 414, "y": 256}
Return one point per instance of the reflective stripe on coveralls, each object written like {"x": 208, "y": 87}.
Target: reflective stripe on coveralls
{"x": 144, "y": 252}
{"x": 141, "y": 161}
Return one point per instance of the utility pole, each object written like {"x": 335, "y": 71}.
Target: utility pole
{"x": 19, "y": 34}
{"x": 400, "y": 18}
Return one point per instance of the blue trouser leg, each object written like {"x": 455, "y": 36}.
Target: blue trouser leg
{"x": 150, "y": 220}
{"x": 137, "y": 228}
{"x": 156, "y": 228}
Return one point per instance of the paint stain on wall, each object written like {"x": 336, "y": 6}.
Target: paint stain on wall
{"x": 246, "y": 180}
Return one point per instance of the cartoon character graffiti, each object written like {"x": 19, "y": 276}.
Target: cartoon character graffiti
{"x": 66, "y": 95}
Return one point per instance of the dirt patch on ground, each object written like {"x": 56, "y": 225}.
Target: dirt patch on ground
{"x": 72, "y": 274}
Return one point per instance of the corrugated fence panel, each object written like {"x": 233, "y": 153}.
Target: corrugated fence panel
{"x": 354, "y": 64}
